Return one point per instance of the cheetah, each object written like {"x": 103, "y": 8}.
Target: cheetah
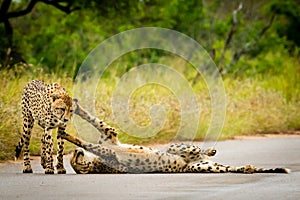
{"x": 111, "y": 156}
{"x": 51, "y": 107}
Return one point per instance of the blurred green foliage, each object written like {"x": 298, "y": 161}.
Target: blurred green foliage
{"x": 49, "y": 38}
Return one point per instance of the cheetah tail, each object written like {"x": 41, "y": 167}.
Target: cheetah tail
{"x": 18, "y": 152}
{"x": 273, "y": 170}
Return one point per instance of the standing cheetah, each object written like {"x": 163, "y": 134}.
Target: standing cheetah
{"x": 51, "y": 107}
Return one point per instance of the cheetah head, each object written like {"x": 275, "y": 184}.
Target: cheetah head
{"x": 83, "y": 161}
{"x": 63, "y": 107}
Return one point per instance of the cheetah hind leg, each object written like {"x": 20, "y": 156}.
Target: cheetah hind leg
{"x": 210, "y": 152}
{"x": 191, "y": 153}
{"x": 24, "y": 143}
{"x": 206, "y": 166}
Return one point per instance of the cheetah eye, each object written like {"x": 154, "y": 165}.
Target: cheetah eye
{"x": 71, "y": 111}
{"x": 63, "y": 109}
{"x": 59, "y": 111}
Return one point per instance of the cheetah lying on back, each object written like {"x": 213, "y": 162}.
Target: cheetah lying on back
{"x": 110, "y": 156}
{"x": 51, "y": 107}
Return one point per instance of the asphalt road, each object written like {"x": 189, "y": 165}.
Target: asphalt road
{"x": 270, "y": 152}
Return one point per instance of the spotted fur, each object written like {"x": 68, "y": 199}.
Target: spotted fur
{"x": 51, "y": 107}
{"x": 110, "y": 156}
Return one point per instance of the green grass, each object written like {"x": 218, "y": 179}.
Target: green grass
{"x": 268, "y": 103}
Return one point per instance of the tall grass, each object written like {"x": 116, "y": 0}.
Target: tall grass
{"x": 266, "y": 103}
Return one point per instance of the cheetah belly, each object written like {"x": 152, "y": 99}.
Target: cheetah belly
{"x": 143, "y": 160}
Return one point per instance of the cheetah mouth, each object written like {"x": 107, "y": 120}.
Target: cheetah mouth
{"x": 77, "y": 155}
{"x": 79, "y": 164}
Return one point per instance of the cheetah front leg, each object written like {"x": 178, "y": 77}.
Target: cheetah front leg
{"x": 60, "y": 142}
{"x": 43, "y": 153}
{"x": 48, "y": 147}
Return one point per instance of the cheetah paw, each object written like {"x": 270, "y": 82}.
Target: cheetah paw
{"x": 211, "y": 151}
{"x": 49, "y": 171}
{"x": 27, "y": 169}
{"x": 249, "y": 169}
{"x": 61, "y": 171}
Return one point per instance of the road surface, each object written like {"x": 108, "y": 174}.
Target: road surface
{"x": 269, "y": 152}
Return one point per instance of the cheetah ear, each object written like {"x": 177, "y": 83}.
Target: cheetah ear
{"x": 75, "y": 100}
{"x": 55, "y": 96}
